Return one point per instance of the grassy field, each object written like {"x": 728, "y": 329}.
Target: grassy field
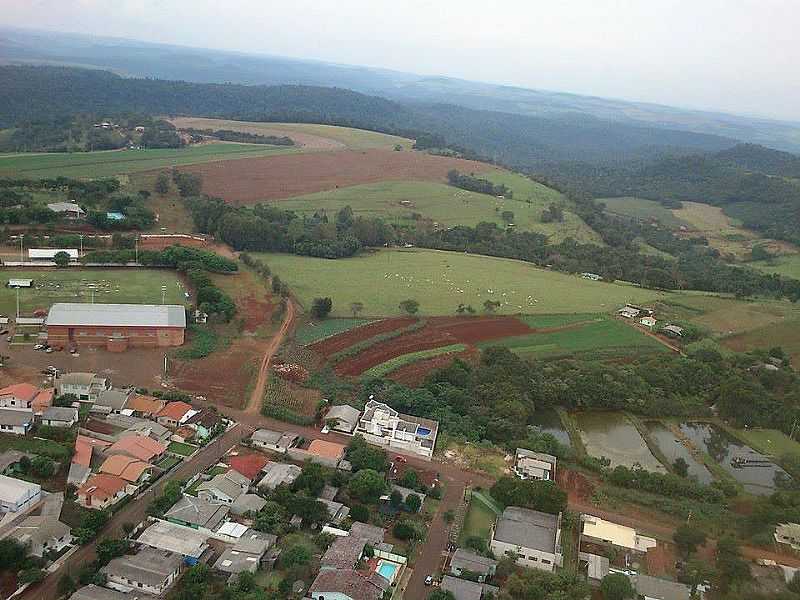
{"x": 548, "y": 321}
{"x": 442, "y": 280}
{"x": 112, "y": 162}
{"x": 111, "y": 286}
{"x": 313, "y": 332}
{"x": 770, "y": 441}
{"x": 181, "y": 449}
{"x": 601, "y": 334}
{"x": 784, "y": 334}
{"x": 445, "y": 205}
{"x": 788, "y": 266}
{"x": 639, "y": 208}
{"x": 479, "y": 520}
{"x": 44, "y": 447}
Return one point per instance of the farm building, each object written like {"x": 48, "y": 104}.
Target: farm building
{"x": 69, "y": 210}
{"x": 673, "y": 331}
{"x": 50, "y": 253}
{"x": 648, "y": 322}
{"x": 116, "y": 326}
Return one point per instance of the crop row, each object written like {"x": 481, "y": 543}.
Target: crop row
{"x": 395, "y": 363}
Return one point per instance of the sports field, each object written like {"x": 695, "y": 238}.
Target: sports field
{"x": 117, "y": 286}
{"x": 440, "y": 281}
{"x": 445, "y": 205}
{"x": 118, "y": 162}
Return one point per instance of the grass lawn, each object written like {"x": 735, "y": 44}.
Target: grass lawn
{"x": 478, "y": 521}
{"x": 788, "y": 265}
{"x": 639, "y": 208}
{"x": 319, "y": 330}
{"x": 34, "y": 446}
{"x": 117, "y": 162}
{"x": 603, "y": 333}
{"x": 770, "y": 441}
{"x": 218, "y": 470}
{"x": 442, "y": 280}
{"x": 119, "y": 286}
{"x": 446, "y": 205}
{"x": 181, "y": 449}
{"x": 168, "y": 462}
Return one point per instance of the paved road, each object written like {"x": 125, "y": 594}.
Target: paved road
{"x": 136, "y": 511}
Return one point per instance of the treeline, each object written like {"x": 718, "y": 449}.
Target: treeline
{"x": 228, "y": 135}
{"x": 178, "y": 257}
{"x": 476, "y": 184}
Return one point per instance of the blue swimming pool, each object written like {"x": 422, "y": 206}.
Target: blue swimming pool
{"x": 423, "y": 431}
{"x": 387, "y": 570}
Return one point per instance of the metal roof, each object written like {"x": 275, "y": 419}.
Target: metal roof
{"x": 51, "y": 252}
{"x": 527, "y": 528}
{"x": 117, "y": 315}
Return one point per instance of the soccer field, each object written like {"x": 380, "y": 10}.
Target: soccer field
{"x": 440, "y": 281}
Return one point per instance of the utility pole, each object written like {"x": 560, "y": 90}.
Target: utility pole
{"x": 92, "y": 290}
{"x": 80, "y": 253}
{"x": 136, "y": 246}
{"x": 17, "y": 303}
{"x": 21, "y": 237}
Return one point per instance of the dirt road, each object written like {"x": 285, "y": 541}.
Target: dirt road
{"x": 254, "y": 403}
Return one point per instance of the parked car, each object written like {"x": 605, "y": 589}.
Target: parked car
{"x": 429, "y": 580}
{"x": 39, "y": 347}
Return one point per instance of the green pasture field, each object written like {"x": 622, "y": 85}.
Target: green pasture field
{"x": 770, "y": 441}
{"x": 319, "y": 330}
{"x": 603, "y": 334}
{"x": 640, "y": 208}
{"x": 119, "y": 162}
{"x": 440, "y": 281}
{"x": 548, "y": 321}
{"x": 111, "y": 286}
{"x": 395, "y": 363}
{"x": 445, "y": 205}
{"x": 787, "y": 265}
{"x": 784, "y": 334}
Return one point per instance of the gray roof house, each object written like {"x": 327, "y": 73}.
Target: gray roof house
{"x": 247, "y": 554}
{"x": 86, "y": 386}
{"x": 247, "y": 503}
{"x": 197, "y": 513}
{"x": 60, "y": 416}
{"x": 653, "y": 588}
{"x": 278, "y": 473}
{"x": 95, "y": 592}
{"x": 16, "y": 421}
{"x": 461, "y": 588}
{"x": 277, "y": 441}
{"x": 466, "y": 561}
{"x": 343, "y": 553}
{"x": 534, "y": 465}
{"x": 533, "y": 537}
{"x": 42, "y": 534}
{"x": 374, "y": 535}
{"x": 343, "y": 418}
{"x": 150, "y": 571}
{"x": 113, "y": 400}
{"x": 223, "y": 488}
{"x": 336, "y": 510}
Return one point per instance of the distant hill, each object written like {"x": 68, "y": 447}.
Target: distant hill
{"x": 140, "y": 59}
{"x": 759, "y": 158}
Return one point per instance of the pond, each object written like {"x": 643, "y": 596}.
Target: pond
{"x": 674, "y": 448}
{"x": 548, "y": 421}
{"x": 611, "y": 435}
{"x": 757, "y": 478}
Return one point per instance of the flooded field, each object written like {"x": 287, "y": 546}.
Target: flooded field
{"x": 548, "y": 421}
{"x": 611, "y": 435}
{"x": 674, "y": 448}
{"x": 758, "y": 477}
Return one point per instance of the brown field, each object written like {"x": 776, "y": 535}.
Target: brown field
{"x": 251, "y": 180}
{"x": 339, "y": 342}
{"x": 414, "y": 374}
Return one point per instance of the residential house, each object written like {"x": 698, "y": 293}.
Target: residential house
{"x": 648, "y": 322}
{"x": 134, "y": 471}
{"x": 141, "y": 427}
{"x": 137, "y": 446}
{"x": 17, "y": 495}
{"x": 86, "y": 386}
{"x": 531, "y": 536}
{"x": 204, "y": 423}
{"x": 468, "y": 563}
{"x": 278, "y": 473}
{"x": 343, "y": 553}
{"x": 247, "y": 504}
{"x": 629, "y": 312}
{"x": 597, "y": 530}
{"x": 337, "y": 511}
{"x": 43, "y": 400}
{"x": 382, "y": 425}
{"x": 197, "y": 513}
{"x": 174, "y": 414}
{"x": 68, "y": 210}
{"x": 327, "y": 451}
{"x": 534, "y": 465}
{"x": 372, "y": 534}
{"x": 247, "y": 554}
{"x": 406, "y": 492}
{"x": 150, "y": 571}
{"x": 80, "y": 467}
{"x": 42, "y": 534}
{"x": 18, "y": 395}
{"x": 15, "y": 420}
{"x": 788, "y": 533}
{"x": 145, "y": 406}
{"x": 276, "y": 441}
{"x": 249, "y": 465}
{"x": 95, "y": 592}
{"x": 60, "y": 416}
{"x": 342, "y": 418}
{"x": 335, "y": 584}
{"x": 114, "y": 400}
{"x": 169, "y": 537}
{"x": 462, "y": 589}
{"x": 223, "y": 488}
{"x": 101, "y": 491}
{"x": 654, "y": 588}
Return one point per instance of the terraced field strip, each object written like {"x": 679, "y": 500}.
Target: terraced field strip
{"x": 406, "y": 359}
{"x": 310, "y": 333}
{"x": 337, "y": 343}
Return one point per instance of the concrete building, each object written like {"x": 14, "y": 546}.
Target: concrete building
{"x": 466, "y": 562}
{"x": 95, "y": 592}
{"x": 49, "y": 254}
{"x": 166, "y": 536}
{"x": 16, "y": 421}
{"x": 85, "y": 386}
{"x": 101, "y": 491}
{"x": 150, "y": 571}
{"x": 597, "y": 530}
{"x": 116, "y": 327}
{"x": 533, "y": 537}
{"x": 113, "y": 400}
{"x": 17, "y": 495}
{"x": 534, "y": 465}
{"x": 276, "y": 441}
{"x": 654, "y": 588}
{"x": 342, "y": 418}
{"x": 789, "y": 534}
{"x": 60, "y": 416}
{"x": 247, "y": 504}
{"x": 18, "y": 395}
{"x": 42, "y": 534}
{"x": 247, "y": 554}
{"x": 382, "y": 425}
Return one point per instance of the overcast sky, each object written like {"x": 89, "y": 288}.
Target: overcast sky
{"x": 734, "y": 55}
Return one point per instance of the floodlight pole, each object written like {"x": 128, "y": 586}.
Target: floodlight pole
{"x": 17, "y": 303}
{"x": 21, "y": 238}
{"x": 80, "y": 253}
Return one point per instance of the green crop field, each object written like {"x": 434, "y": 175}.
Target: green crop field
{"x": 319, "y": 330}
{"x": 111, "y": 286}
{"x": 119, "y": 162}
{"x": 399, "y": 201}
{"x": 559, "y": 320}
{"x": 603, "y": 333}
{"x": 788, "y": 265}
{"x": 639, "y": 208}
{"x": 440, "y": 281}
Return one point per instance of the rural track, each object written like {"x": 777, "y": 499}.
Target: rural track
{"x": 253, "y": 405}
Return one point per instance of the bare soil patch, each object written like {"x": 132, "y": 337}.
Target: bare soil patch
{"x": 305, "y": 140}
{"x": 251, "y": 180}
{"x": 160, "y": 242}
{"x": 339, "y": 342}
{"x": 414, "y": 374}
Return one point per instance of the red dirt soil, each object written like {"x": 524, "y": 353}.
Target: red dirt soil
{"x": 339, "y": 342}
{"x": 438, "y": 332}
{"x": 414, "y": 374}
{"x": 250, "y": 180}
{"x": 159, "y": 242}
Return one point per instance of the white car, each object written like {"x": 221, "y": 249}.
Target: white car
{"x": 38, "y": 347}
{"x": 325, "y": 429}
{"x": 429, "y": 580}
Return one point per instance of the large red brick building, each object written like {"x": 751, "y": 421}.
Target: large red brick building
{"x": 116, "y": 327}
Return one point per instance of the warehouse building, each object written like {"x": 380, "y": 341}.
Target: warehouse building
{"x": 116, "y": 327}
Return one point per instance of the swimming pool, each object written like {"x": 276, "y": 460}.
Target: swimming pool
{"x": 387, "y": 570}
{"x": 423, "y": 431}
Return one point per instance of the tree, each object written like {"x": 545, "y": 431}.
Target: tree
{"x": 31, "y": 575}
{"x": 732, "y": 569}
{"x": 616, "y": 586}
{"x": 25, "y": 464}
{"x": 359, "y": 512}
{"x": 367, "y": 485}
{"x": 440, "y": 594}
{"x": 295, "y": 556}
{"x": 477, "y": 543}
{"x": 404, "y": 530}
{"x": 395, "y": 499}
{"x": 410, "y": 479}
{"x": 321, "y": 307}
{"x": 311, "y": 478}
{"x": 66, "y": 585}
{"x": 449, "y": 516}
{"x": 61, "y": 259}
{"x": 42, "y": 467}
{"x": 361, "y": 455}
{"x": 109, "y": 549}
{"x": 272, "y": 518}
{"x": 356, "y": 308}
{"x": 681, "y": 467}
{"x": 413, "y": 503}
{"x": 409, "y": 306}
{"x": 545, "y": 496}
{"x": 688, "y": 538}
{"x": 162, "y": 183}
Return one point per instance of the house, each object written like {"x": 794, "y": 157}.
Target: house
{"x": 49, "y": 254}
{"x": 113, "y": 400}
{"x": 247, "y": 554}
{"x": 223, "y": 488}
{"x": 343, "y": 418}
{"x": 197, "y": 513}
{"x": 247, "y": 504}
{"x": 653, "y": 588}
{"x": 629, "y": 312}
{"x": 648, "y": 322}
{"x": 18, "y": 395}
{"x": 673, "y": 331}
{"x": 116, "y": 327}
{"x": 85, "y": 386}
{"x": 204, "y": 423}
{"x": 597, "y": 530}
{"x": 382, "y": 425}
{"x": 277, "y": 441}
{"x": 533, "y": 537}
{"x": 174, "y": 414}
{"x": 168, "y": 537}
{"x": 593, "y": 565}
{"x": 461, "y": 588}
{"x": 144, "y": 406}
{"x": 60, "y": 416}
{"x": 277, "y": 474}
{"x": 347, "y": 585}
{"x": 591, "y": 276}
{"x": 249, "y": 465}
{"x": 43, "y": 400}
{"x": 534, "y": 465}
{"x": 80, "y": 467}
{"x": 69, "y": 210}
{"x": 134, "y": 471}
{"x": 328, "y": 451}
{"x": 95, "y": 592}
{"x": 788, "y": 533}
{"x": 141, "y": 427}
{"x": 101, "y": 491}
{"x": 374, "y": 535}
{"x": 42, "y": 534}
{"x": 17, "y": 495}
{"x": 343, "y": 553}
{"x": 150, "y": 571}
{"x": 469, "y": 563}
{"x": 16, "y": 421}
{"x": 137, "y": 446}
{"x": 406, "y": 492}
{"x": 337, "y": 511}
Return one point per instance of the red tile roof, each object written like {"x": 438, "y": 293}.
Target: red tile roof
{"x": 130, "y": 469}
{"x": 102, "y": 486}
{"x": 175, "y": 410}
{"x": 326, "y": 449}
{"x": 43, "y": 400}
{"x": 23, "y": 391}
{"x": 137, "y": 446}
{"x": 145, "y": 404}
{"x": 249, "y": 465}
{"x": 83, "y": 449}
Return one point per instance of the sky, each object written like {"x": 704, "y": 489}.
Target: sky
{"x": 739, "y": 56}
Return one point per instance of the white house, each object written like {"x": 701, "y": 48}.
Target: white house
{"x": 86, "y": 386}
{"x": 60, "y": 416}
{"x": 70, "y": 210}
{"x": 382, "y": 425}
{"x": 595, "y": 529}
{"x": 532, "y": 537}
{"x": 534, "y": 465}
{"x": 648, "y": 322}
{"x": 16, "y": 421}
{"x": 17, "y": 495}
{"x": 150, "y": 571}
{"x": 42, "y": 534}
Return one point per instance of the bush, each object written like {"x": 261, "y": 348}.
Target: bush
{"x": 359, "y": 512}
{"x": 405, "y": 530}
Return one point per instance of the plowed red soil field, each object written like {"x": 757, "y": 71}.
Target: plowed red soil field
{"x": 414, "y": 374}
{"x": 250, "y": 180}
{"x": 441, "y": 331}
{"x": 346, "y": 339}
